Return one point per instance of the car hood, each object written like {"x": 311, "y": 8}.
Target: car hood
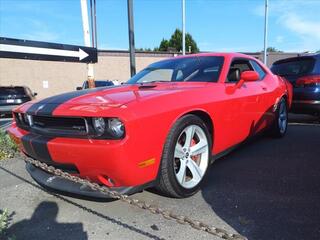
{"x": 115, "y": 96}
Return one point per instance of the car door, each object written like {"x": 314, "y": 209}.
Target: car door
{"x": 267, "y": 101}
{"x": 245, "y": 100}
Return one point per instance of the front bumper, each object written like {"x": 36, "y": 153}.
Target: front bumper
{"x": 113, "y": 163}
{"x": 63, "y": 185}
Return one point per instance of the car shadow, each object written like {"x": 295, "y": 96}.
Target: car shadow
{"x": 269, "y": 188}
{"x": 85, "y": 209}
{"x": 43, "y": 225}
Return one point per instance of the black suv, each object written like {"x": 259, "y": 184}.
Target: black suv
{"x": 304, "y": 74}
{"x": 13, "y": 96}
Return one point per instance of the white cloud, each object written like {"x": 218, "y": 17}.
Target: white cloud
{"x": 301, "y": 26}
{"x": 300, "y": 18}
{"x": 279, "y": 39}
{"x": 40, "y": 31}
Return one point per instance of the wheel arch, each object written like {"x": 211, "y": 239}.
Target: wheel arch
{"x": 206, "y": 118}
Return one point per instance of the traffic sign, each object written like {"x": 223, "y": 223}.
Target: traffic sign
{"x": 35, "y": 50}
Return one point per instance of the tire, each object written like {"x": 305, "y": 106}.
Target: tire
{"x": 280, "y": 125}
{"x": 183, "y": 166}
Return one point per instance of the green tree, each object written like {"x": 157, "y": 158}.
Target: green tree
{"x": 164, "y": 45}
{"x": 175, "y": 43}
{"x": 190, "y": 43}
{"x": 318, "y": 51}
{"x": 176, "y": 40}
{"x": 272, "y": 49}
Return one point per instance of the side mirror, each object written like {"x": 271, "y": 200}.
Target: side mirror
{"x": 249, "y": 76}
{"x": 79, "y": 88}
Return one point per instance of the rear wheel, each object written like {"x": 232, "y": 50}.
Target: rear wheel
{"x": 280, "y": 125}
{"x": 185, "y": 157}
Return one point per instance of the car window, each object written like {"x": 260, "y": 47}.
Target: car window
{"x": 103, "y": 83}
{"x": 4, "y": 91}
{"x": 258, "y": 69}
{"x": 236, "y": 68}
{"x": 28, "y": 91}
{"x": 189, "y": 69}
{"x": 293, "y": 67}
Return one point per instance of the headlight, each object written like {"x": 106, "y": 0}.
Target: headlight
{"x": 110, "y": 128}
{"x": 115, "y": 127}
{"x": 99, "y": 125}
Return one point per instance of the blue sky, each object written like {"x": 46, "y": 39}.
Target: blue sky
{"x": 216, "y": 25}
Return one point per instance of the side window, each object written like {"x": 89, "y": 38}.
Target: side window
{"x": 258, "y": 69}
{"x": 28, "y": 91}
{"x": 236, "y": 68}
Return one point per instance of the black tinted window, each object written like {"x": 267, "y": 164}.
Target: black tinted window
{"x": 103, "y": 83}
{"x": 190, "y": 69}
{"x": 12, "y": 91}
{"x": 291, "y": 67}
{"x": 236, "y": 68}
{"x": 258, "y": 69}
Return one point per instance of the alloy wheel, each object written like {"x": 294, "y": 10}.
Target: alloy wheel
{"x": 191, "y": 156}
{"x": 283, "y": 117}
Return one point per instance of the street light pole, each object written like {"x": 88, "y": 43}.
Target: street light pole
{"x": 183, "y": 27}
{"x": 86, "y": 35}
{"x": 131, "y": 38}
{"x": 265, "y": 60}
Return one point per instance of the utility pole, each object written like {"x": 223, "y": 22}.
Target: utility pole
{"x": 183, "y": 27}
{"x": 265, "y": 60}
{"x": 131, "y": 38}
{"x": 86, "y": 36}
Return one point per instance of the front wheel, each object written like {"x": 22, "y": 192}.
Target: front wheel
{"x": 185, "y": 157}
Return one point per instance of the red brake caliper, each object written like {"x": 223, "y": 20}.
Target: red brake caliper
{"x": 195, "y": 158}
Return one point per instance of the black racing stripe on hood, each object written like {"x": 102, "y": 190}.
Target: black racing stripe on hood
{"x": 37, "y": 147}
{"x": 46, "y": 106}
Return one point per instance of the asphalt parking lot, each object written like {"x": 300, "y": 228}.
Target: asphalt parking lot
{"x": 266, "y": 189}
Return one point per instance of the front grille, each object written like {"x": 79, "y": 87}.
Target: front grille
{"x": 53, "y": 126}
{"x": 60, "y": 123}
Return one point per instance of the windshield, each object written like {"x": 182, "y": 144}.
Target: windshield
{"x": 190, "y": 69}
{"x": 293, "y": 67}
{"x": 4, "y": 91}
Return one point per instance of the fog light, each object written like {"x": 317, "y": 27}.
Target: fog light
{"x": 99, "y": 125}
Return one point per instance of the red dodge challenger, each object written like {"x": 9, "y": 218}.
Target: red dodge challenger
{"x": 161, "y": 128}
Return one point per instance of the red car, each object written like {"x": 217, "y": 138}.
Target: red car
{"x": 162, "y": 128}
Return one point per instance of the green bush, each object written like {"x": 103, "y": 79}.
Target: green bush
{"x": 4, "y": 220}
{"x": 7, "y": 147}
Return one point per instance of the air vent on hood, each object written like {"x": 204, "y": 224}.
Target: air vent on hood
{"x": 147, "y": 86}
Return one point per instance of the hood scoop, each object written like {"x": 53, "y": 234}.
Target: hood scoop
{"x": 142, "y": 86}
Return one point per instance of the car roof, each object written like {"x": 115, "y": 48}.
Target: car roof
{"x": 306, "y": 56}
{"x": 218, "y": 54}
{"x": 12, "y": 86}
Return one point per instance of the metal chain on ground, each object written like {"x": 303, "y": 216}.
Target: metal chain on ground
{"x": 223, "y": 234}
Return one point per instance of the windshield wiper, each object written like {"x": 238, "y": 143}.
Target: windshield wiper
{"x": 155, "y": 81}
